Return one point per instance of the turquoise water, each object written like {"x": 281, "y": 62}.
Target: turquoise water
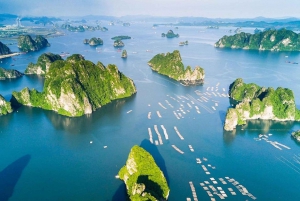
{"x": 46, "y": 156}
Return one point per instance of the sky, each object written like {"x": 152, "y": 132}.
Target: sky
{"x": 176, "y": 8}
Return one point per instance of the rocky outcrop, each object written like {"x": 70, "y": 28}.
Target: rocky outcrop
{"x": 171, "y": 65}
{"x": 5, "y": 107}
{"x": 43, "y": 64}
{"x": 4, "y": 49}
{"x": 27, "y": 44}
{"x": 118, "y": 43}
{"x": 95, "y": 41}
{"x": 255, "y": 102}
{"x": 75, "y": 87}
{"x": 124, "y": 54}
{"x": 143, "y": 178}
{"x": 273, "y": 40}
{"x": 9, "y": 73}
{"x": 296, "y": 135}
{"x": 170, "y": 34}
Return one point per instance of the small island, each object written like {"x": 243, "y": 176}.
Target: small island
{"x": 4, "y": 50}
{"x": 43, "y": 63}
{"x": 118, "y": 43}
{"x": 27, "y": 44}
{"x": 255, "y": 102}
{"x": 296, "y": 135}
{"x": 124, "y": 54}
{"x": 9, "y": 73}
{"x": 273, "y": 40}
{"x": 171, "y": 65}
{"x": 5, "y": 106}
{"x": 121, "y": 37}
{"x": 183, "y": 43}
{"x": 75, "y": 87}
{"x": 170, "y": 34}
{"x": 93, "y": 41}
{"x": 143, "y": 178}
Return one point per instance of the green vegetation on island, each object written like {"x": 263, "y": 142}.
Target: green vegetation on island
{"x": 82, "y": 28}
{"x": 170, "y": 34}
{"x": 4, "y": 49}
{"x": 27, "y": 44}
{"x": 296, "y": 135}
{"x": 124, "y": 54}
{"x": 171, "y": 65}
{"x": 118, "y": 43}
{"x": 75, "y": 86}
{"x": 274, "y": 40}
{"x": 121, "y": 37}
{"x": 255, "y": 102}
{"x": 9, "y": 73}
{"x": 93, "y": 41}
{"x": 5, "y": 106}
{"x": 143, "y": 178}
{"x": 43, "y": 63}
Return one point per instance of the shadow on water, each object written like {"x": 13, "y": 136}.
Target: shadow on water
{"x": 120, "y": 194}
{"x": 84, "y": 124}
{"x": 152, "y": 149}
{"x": 10, "y": 176}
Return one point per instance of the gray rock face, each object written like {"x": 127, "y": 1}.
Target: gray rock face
{"x": 9, "y": 73}
{"x": 5, "y": 107}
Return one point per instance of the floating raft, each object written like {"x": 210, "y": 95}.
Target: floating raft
{"x": 150, "y": 135}
{"x": 158, "y": 114}
{"x": 162, "y": 106}
{"x": 129, "y": 111}
{"x": 158, "y": 134}
{"x": 177, "y": 149}
{"x": 193, "y": 191}
{"x": 191, "y": 148}
{"x": 165, "y": 132}
{"x": 178, "y": 133}
{"x": 149, "y": 115}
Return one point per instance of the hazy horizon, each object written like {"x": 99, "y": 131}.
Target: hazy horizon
{"x": 167, "y": 8}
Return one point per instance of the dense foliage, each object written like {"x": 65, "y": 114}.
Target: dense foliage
{"x": 274, "y": 40}
{"x": 170, "y": 34}
{"x": 75, "y": 87}
{"x": 118, "y": 43}
{"x": 5, "y": 107}
{"x": 9, "y": 73}
{"x": 43, "y": 63}
{"x": 260, "y": 102}
{"x": 27, "y": 44}
{"x": 95, "y": 41}
{"x": 143, "y": 178}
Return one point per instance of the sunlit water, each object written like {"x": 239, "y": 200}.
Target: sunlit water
{"x": 65, "y": 165}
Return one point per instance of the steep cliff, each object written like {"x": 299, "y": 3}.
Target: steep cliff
{"x": 27, "y": 44}
{"x": 75, "y": 87}
{"x": 43, "y": 63}
{"x": 143, "y": 178}
{"x": 95, "y": 41}
{"x": 4, "y": 49}
{"x": 9, "y": 73}
{"x": 255, "y": 102}
{"x": 171, "y": 65}
{"x": 5, "y": 107}
{"x": 274, "y": 40}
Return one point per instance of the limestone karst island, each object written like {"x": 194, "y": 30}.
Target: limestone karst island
{"x": 255, "y": 102}
{"x": 170, "y": 64}
{"x": 27, "y": 44}
{"x": 273, "y": 40}
{"x": 76, "y": 86}
{"x": 143, "y": 178}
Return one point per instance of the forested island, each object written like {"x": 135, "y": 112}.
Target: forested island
{"x": 27, "y": 44}
{"x": 255, "y": 102}
{"x": 118, "y": 43}
{"x": 4, "y": 49}
{"x": 273, "y": 40}
{"x": 75, "y": 86}
{"x": 143, "y": 178}
{"x": 170, "y": 34}
{"x": 296, "y": 135}
{"x": 124, "y": 54}
{"x": 43, "y": 63}
{"x": 93, "y": 41}
{"x": 170, "y": 64}
{"x": 5, "y": 107}
{"x": 9, "y": 73}
{"x": 121, "y": 37}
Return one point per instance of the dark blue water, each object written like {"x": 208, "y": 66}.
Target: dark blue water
{"x": 64, "y": 165}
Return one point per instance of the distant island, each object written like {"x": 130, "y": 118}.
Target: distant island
{"x": 9, "y": 73}
{"x": 93, "y": 41}
{"x": 43, "y": 64}
{"x": 27, "y": 44}
{"x": 4, "y": 49}
{"x": 82, "y": 28}
{"x": 255, "y": 102}
{"x": 118, "y": 43}
{"x": 170, "y": 34}
{"x": 143, "y": 178}
{"x": 171, "y": 65}
{"x": 296, "y": 135}
{"x": 121, "y": 37}
{"x": 75, "y": 86}
{"x": 273, "y": 40}
{"x": 124, "y": 54}
{"x": 5, "y": 107}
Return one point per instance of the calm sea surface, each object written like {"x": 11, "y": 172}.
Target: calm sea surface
{"x": 46, "y": 156}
